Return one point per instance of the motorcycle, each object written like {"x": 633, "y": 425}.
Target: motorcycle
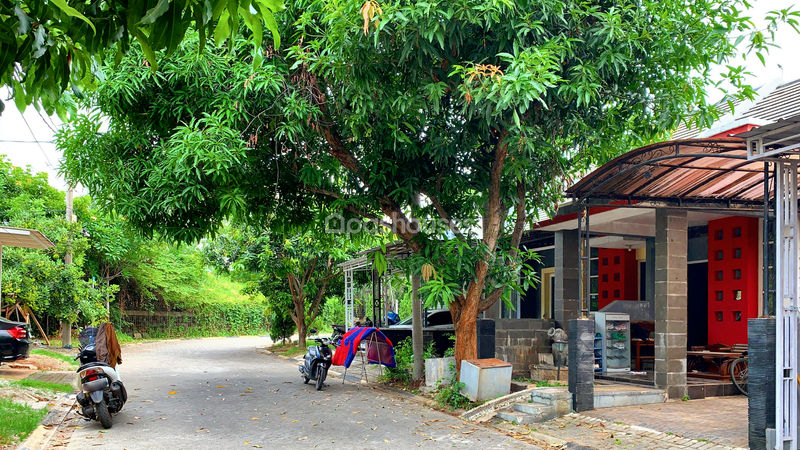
{"x": 102, "y": 392}
{"x": 317, "y": 359}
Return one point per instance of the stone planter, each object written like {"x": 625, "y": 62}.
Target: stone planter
{"x": 439, "y": 369}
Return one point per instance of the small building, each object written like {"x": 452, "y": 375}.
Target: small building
{"x": 676, "y": 239}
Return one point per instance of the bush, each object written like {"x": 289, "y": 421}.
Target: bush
{"x": 281, "y": 325}
{"x": 404, "y": 357}
{"x": 449, "y": 396}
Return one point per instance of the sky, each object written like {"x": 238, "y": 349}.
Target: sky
{"x": 27, "y": 139}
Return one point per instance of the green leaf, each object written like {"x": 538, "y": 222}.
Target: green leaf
{"x": 155, "y": 12}
{"x": 72, "y": 12}
{"x": 146, "y": 48}
{"x": 223, "y": 30}
{"x": 19, "y": 97}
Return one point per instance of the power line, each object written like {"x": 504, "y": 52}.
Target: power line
{"x": 33, "y": 135}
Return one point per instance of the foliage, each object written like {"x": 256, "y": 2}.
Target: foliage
{"x": 450, "y": 122}
{"x": 44, "y": 385}
{"x": 49, "y": 47}
{"x": 281, "y": 325}
{"x": 18, "y": 421}
{"x": 449, "y": 395}
{"x": 300, "y": 266}
{"x": 60, "y": 356}
{"x": 404, "y": 362}
{"x": 39, "y": 279}
{"x": 450, "y": 351}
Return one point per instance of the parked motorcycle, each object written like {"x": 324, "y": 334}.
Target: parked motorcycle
{"x": 102, "y": 392}
{"x": 317, "y": 359}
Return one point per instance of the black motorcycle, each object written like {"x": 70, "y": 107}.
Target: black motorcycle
{"x": 317, "y": 359}
{"x": 102, "y": 392}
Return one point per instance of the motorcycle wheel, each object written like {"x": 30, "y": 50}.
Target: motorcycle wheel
{"x": 322, "y": 372}
{"x": 103, "y": 415}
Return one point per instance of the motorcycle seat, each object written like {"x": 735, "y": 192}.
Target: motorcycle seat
{"x": 92, "y": 364}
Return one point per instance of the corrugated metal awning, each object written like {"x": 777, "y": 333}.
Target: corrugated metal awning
{"x": 679, "y": 172}
{"x": 22, "y": 237}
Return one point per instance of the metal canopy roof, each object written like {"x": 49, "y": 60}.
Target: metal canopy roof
{"x": 711, "y": 171}
{"x": 22, "y": 237}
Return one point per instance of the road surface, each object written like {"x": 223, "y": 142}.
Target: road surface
{"x": 224, "y": 393}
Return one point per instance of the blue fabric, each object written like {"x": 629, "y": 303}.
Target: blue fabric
{"x": 348, "y": 347}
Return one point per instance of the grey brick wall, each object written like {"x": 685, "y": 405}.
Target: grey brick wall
{"x": 670, "y": 302}
{"x": 581, "y": 364}
{"x": 521, "y": 341}
{"x": 761, "y": 380}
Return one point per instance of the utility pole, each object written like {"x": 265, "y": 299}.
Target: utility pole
{"x": 416, "y": 328}
{"x": 66, "y": 326}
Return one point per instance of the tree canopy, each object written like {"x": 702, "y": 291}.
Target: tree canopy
{"x": 449, "y": 122}
{"x": 48, "y": 47}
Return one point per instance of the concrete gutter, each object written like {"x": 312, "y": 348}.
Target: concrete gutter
{"x": 41, "y": 437}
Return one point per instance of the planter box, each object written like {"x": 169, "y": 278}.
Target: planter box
{"x": 439, "y": 369}
{"x": 485, "y": 379}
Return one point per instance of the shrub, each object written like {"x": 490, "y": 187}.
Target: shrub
{"x": 449, "y": 396}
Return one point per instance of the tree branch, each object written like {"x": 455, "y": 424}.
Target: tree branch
{"x": 437, "y": 205}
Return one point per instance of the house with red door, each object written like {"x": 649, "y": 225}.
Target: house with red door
{"x": 672, "y": 235}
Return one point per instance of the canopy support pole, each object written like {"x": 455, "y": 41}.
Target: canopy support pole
{"x": 786, "y": 304}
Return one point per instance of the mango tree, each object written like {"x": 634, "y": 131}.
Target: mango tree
{"x": 467, "y": 116}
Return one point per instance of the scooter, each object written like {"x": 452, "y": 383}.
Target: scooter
{"x": 102, "y": 392}
{"x": 317, "y": 359}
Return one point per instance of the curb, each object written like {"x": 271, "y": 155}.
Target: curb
{"x": 40, "y": 437}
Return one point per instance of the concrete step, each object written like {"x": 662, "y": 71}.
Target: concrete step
{"x": 540, "y": 411}
{"x": 556, "y": 397}
{"x": 516, "y": 417}
{"x": 607, "y": 397}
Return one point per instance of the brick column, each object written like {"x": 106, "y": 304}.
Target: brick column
{"x": 567, "y": 274}
{"x": 581, "y": 363}
{"x": 670, "y": 302}
{"x": 760, "y": 380}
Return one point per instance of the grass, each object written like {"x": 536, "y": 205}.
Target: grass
{"x": 18, "y": 421}
{"x": 289, "y": 350}
{"x": 34, "y": 384}
{"x": 66, "y": 358}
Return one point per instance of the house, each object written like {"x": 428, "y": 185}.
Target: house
{"x": 676, "y": 239}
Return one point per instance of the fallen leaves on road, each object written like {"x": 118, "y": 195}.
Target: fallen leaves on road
{"x": 256, "y": 418}
{"x": 172, "y": 392}
{"x": 302, "y": 438}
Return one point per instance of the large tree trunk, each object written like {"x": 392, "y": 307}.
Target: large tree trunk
{"x": 465, "y": 312}
{"x": 301, "y": 335}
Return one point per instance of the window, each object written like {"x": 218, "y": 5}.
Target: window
{"x": 737, "y": 294}
{"x": 719, "y": 316}
{"x": 718, "y": 275}
{"x": 605, "y": 278}
{"x": 605, "y": 261}
{"x": 737, "y": 274}
{"x": 718, "y": 255}
{"x": 737, "y": 253}
{"x": 616, "y": 276}
{"x": 737, "y": 316}
{"x": 605, "y": 294}
{"x": 737, "y": 232}
{"x": 718, "y": 235}
{"x": 616, "y": 293}
{"x": 719, "y": 295}
{"x": 616, "y": 259}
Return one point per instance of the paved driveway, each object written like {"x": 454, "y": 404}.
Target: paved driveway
{"x": 223, "y": 393}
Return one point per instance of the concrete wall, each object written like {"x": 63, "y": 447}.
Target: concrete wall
{"x": 521, "y": 341}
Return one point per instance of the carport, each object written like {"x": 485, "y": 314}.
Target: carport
{"x": 731, "y": 176}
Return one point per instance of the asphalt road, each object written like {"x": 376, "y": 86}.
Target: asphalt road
{"x": 223, "y": 393}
